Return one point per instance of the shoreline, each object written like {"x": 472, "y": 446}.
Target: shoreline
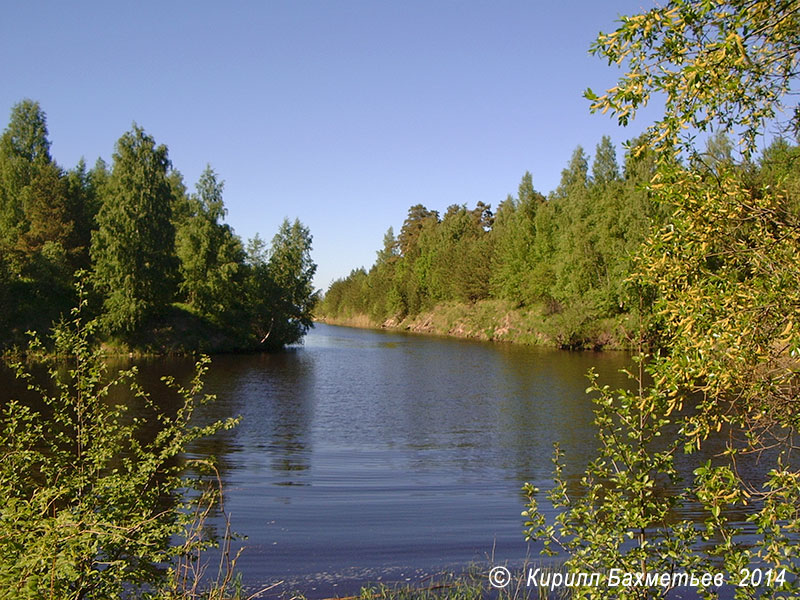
{"x": 499, "y": 321}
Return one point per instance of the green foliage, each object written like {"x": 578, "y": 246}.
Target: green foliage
{"x": 37, "y": 244}
{"x": 780, "y": 169}
{"x": 726, "y": 314}
{"x": 418, "y": 215}
{"x": 720, "y": 62}
{"x": 211, "y": 255}
{"x": 605, "y": 170}
{"x": 280, "y": 294}
{"x": 24, "y": 149}
{"x": 93, "y": 499}
{"x": 131, "y": 267}
{"x": 619, "y": 517}
{"x": 567, "y": 256}
{"x": 168, "y": 274}
{"x": 84, "y": 203}
{"x": 514, "y": 238}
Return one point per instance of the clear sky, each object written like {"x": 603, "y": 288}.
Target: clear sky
{"x": 342, "y": 113}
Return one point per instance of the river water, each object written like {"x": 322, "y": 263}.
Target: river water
{"x": 367, "y": 456}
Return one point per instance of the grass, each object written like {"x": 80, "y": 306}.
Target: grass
{"x": 502, "y": 321}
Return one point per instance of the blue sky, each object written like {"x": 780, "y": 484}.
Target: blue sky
{"x": 340, "y": 113}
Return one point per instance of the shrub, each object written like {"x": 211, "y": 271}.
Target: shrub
{"x": 93, "y": 502}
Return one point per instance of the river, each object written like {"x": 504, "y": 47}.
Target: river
{"x": 376, "y": 456}
{"x": 367, "y": 456}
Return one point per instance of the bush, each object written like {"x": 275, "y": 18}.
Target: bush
{"x": 93, "y": 502}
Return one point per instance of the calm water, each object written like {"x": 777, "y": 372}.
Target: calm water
{"x": 366, "y": 456}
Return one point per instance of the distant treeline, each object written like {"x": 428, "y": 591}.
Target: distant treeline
{"x": 161, "y": 270}
{"x": 567, "y": 257}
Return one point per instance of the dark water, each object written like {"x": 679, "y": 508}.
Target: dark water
{"x": 372, "y": 456}
{"x": 368, "y": 455}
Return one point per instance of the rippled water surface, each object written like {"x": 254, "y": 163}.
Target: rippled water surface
{"x": 364, "y": 455}
{"x": 374, "y": 456}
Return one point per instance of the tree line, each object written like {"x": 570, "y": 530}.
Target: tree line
{"x": 165, "y": 272}
{"x": 568, "y": 254}
{"x": 722, "y": 369}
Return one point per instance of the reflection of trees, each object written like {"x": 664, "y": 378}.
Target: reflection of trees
{"x": 544, "y": 401}
{"x": 750, "y": 467}
{"x": 273, "y": 396}
{"x": 443, "y": 405}
{"x": 270, "y": 393}
{"x": 491, "y": 406}
{"x": 166, "y": 400}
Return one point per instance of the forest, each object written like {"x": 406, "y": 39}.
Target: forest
{"x": 559, "y": 264}
{"x": 162, "y": 271}
{"x": 689, "y": 252}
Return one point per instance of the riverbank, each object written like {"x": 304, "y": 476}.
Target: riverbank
{"x": 497, "y": 320}
{"x": 175, "y": 331}
{"x": 470, "y": 585}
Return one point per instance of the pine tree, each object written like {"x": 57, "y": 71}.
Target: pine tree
{"x": 35, "y": 223}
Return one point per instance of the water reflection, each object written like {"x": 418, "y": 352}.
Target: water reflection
{"x": 376, "y": 452}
